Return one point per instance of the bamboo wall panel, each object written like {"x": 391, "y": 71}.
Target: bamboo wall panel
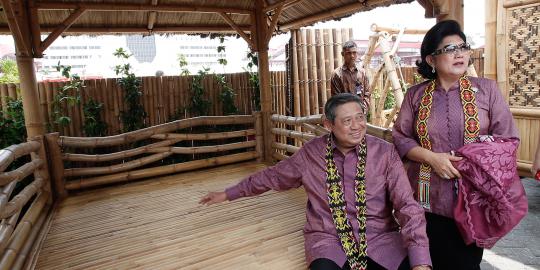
{"x": 523, "y": 55}
{"x": 164, "y": 98}
{"x": 528, "y": 124}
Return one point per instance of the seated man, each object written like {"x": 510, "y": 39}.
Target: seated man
{"x": 353, "y": 182}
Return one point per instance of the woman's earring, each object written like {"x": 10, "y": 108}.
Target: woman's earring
{"x": 433, "y": 69}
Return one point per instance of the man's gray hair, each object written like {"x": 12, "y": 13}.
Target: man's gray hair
{"x": 337, "y": 100}
{"x": 348, "y": 45}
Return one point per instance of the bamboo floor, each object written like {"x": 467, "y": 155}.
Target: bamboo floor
{"x": 158, "y": 224}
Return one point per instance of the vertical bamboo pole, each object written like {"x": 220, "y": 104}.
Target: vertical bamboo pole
{"x": 262, "y": 48}
{"x": 502, "y": 51}
{"x": 32, "y": 114}
{"x": 338, "y": 42}
{"x": 300, "y": 67}
{"x": 309, "y": 63}
{"x": 56, "y": 165}
{"x": 4, "y": 97}
{"x": 490, "y": 50}
{"x": 158, "y": 81}
{"x": 315, "y": 90}
{"x": 305, "y": 68}
{"x": 113, "y": 95}
{"x": 296, "y": 85}
{"x": 259, "y": 135}
{"x": 169, "y": 97}
{"x": 322, "y": 67}
{"x": 329, "y": 54}
{"x": 12, "y": 90}
{"x": 49, "y": 96}
{"x": 157, "y": 105}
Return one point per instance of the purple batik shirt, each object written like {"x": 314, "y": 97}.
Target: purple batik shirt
{"x": 387, "y": 188}
{"x": 446, "y": 126}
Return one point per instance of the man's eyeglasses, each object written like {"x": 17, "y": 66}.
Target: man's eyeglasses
{"x": 453, "y": 49}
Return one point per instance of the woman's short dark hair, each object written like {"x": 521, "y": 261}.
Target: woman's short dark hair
{"x": 431, "y": 41}
{"x": 337, "y": 100}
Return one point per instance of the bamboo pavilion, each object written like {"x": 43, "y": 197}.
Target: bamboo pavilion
{"x": 72, "y": 216}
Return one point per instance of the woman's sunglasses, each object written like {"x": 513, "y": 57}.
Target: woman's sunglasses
{"x": 453, "y": 49}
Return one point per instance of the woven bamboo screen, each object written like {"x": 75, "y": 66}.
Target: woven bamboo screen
{"x": 524, "y": 55}
{"x": 522, "y": 69}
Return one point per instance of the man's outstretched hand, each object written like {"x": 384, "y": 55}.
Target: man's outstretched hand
{"x": 213, "y": 197}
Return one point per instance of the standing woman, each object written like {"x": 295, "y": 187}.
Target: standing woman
{"x": 437, "y": 117}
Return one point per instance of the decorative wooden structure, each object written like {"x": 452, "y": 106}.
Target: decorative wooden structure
{"x": 513, "y": 53}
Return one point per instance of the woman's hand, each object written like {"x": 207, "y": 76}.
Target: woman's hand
{"x": 441, "y": 164}
{"x": 422, "y": 267}
{"x": 213, "y": 197}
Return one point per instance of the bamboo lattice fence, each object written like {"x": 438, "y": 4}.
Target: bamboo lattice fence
{"x": 25, "y": 200}
{"x": 164, "y": 99}
{"x": 82, "y": 162}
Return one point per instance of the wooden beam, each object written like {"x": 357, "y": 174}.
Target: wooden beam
{"x": 152, "y": 16}
{"x": 284, "y": 3}
{"x": 516, "y": 3}
{"x": 140, "y": 7}
{"x": 61, "y": 28}
{"x": 429, "y": 7}
{"x": 175, "y": 29}
{"x": 35, "y": 29}
{"x": 389, "y": 30}
{"x": 229, "y": 20}
{"x": 330, "y": 14}
{"x": 15, "y": 24}
{"x": 450, "y": 10}
{"x": 275, "y": 19}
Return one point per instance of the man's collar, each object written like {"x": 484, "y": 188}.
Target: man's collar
{"x": 345, "y": 67}
{"x": 333, "y": 143}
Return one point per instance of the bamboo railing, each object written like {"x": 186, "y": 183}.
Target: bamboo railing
{"x": 25, "y": 201}
{"x": 312, "y": 126}
{"x": 75, "y": 167}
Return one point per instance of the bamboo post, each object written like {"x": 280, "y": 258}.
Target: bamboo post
{"x": 259, "y": 135}
{"x": 490, "y": 49}
{"x": 264, "y": 76}
{"x": 305, "y": 71}
{"x": 32, "y": 114}
{"x": 314, "y": 79}
{"x": 3, "y": 97}
{"x": 12, "y": 90}
{"x": 322, "y": 66}
{"x": 329, "y": 53}
{"x": 502, "y": 51}
{"x": 338, "y": 42}
{"x": 56, "y": 165}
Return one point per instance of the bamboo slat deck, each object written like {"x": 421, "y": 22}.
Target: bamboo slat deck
{"x": 158, "y": 224}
